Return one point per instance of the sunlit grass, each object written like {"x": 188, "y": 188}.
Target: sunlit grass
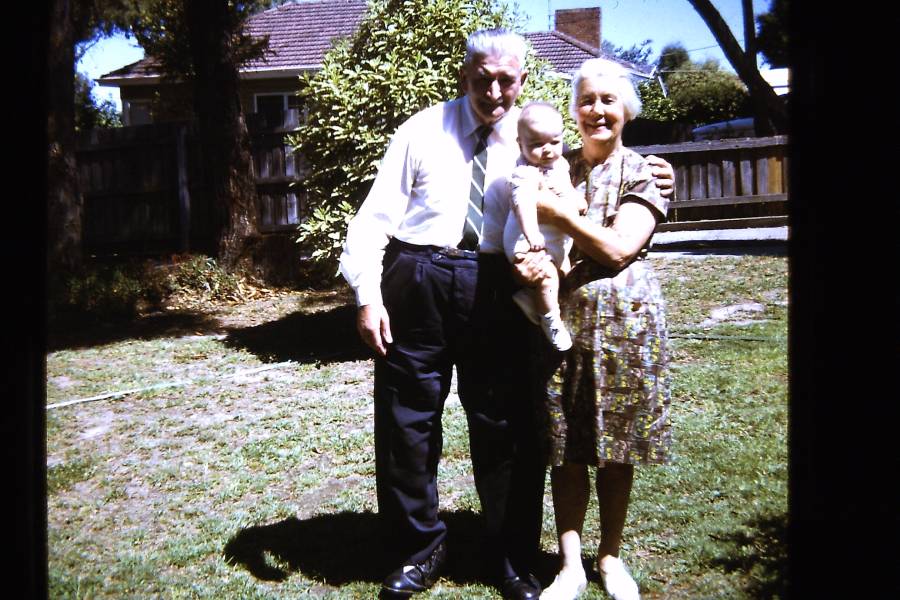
{"x": 263, "y": 486}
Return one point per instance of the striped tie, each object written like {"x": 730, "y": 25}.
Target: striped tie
{"x": 472, "y": 228}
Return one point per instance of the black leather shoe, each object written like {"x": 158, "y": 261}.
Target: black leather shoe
{"x": 519, "y": 588}
{"x": 402, "y": 584}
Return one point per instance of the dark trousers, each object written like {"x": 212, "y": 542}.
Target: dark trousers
{"x": 447, "y": 311}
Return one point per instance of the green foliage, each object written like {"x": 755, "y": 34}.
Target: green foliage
{"x": 103, "y": 290}
{"x": 88, "y": 113}
{"x": 704, "y": 94}
{"x": 773, "y": 32}
{"x": 655, "y": 105}
{"x": 672, "y": 57}
{"x": 95, "y": 20}
{"x": 128, "y": 288}
{"x": 199, "y": 275}
{"x": 405, "y": 56}
{"x": 544, "y": 85}
{"x": 160, "y": 27}
{"x": 63, "y": 476}
{"x": 325, "y": 225}
{"x": 698, "y": 93}
{"x": 638, "y": 54}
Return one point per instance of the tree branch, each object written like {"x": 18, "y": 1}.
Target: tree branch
{"x": 770, "y": 110}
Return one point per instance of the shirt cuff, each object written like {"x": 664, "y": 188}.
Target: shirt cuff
{"x": 368, "y": 294}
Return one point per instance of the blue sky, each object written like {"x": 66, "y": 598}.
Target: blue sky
{"x": 624, "y": 23}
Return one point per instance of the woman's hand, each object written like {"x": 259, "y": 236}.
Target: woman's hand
{"x": 556, "y": 211}
{"x": 566, "y": 192}
{"x": 530, "y": 268}
{"x": 664, "y": 173}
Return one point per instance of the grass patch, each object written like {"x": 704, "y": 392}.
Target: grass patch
{"x": 63, "y": 476}
{"x": 262, "y": 485}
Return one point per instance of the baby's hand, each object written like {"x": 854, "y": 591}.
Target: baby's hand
{"x": 536, "y": 241}
{"x": 580, "y": 203}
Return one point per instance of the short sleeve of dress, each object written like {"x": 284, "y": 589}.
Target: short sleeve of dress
{"x": 639, "y": 185}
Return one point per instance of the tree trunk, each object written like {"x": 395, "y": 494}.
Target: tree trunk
{"x": 769, "y": 111}
{"x": 225, "y": 143}
{"x": 64, "y": 200}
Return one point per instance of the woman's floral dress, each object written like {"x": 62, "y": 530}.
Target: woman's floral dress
{"x": 608, "y": 400}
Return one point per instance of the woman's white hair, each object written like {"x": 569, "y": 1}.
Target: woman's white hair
{"x": 495, "y": 42}
{"x": 595, "y": 68}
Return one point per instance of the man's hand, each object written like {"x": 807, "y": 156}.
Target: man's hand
{"x": 374, "y": 327}
{"x": 665, "y": 175}
{"x": 530, "y": 268}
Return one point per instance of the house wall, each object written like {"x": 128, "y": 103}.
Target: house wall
{"x": 168, "y": 102}
{"x": 250, "y": 87}
{"x": 172, "y": 102}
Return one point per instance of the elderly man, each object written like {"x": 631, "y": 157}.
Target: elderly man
{"x": 425, "y": 258}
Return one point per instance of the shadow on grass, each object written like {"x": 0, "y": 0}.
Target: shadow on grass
{"x": 85, "y": 331}
{"x": 760, "y": 554}
{"x": 347, "y": 547}
{"x": 324, "y": 337}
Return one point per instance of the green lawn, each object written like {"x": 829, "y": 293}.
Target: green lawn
{"x": 220, "y": 480}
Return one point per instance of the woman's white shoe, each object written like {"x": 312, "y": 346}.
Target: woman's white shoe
{"x": 619, "y": 584}
{"x": 567, "y": 587}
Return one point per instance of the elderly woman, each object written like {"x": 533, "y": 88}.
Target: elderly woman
{"x": 608, "y": 397}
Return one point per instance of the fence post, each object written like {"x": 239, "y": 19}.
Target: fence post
{"x": 184, "y": 194}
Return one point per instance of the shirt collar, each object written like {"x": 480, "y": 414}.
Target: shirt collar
{"x": 470, "y": 122}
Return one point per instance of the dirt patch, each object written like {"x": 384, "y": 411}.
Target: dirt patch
{"x": 736, "y": 314}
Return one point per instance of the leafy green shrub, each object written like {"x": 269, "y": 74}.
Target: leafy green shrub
{"x": 322, "y": 230}
{"x": 128, "y": 288}
{"x": 655, "y": 105}
{"x": 200, "y": 276}
{"x": 104, "y": 290}
{"x": 698, "y": 92}
{"x": 705, "y": 94}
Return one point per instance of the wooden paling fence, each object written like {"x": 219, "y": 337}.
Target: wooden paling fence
{"x": 143, "y": 191}
{"x": 725, "y": 184}
{"x": 280, "y": 206}
{"x": 136, "y": 187}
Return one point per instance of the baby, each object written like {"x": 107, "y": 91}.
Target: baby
{"x": 540, "y": 167}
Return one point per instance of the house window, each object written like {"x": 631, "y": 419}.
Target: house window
{"x": 273, "y": 106}
{"x": 136, "y": 112}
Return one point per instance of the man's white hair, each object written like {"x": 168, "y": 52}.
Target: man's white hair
{"x": 495, "y": 42}
{"x": 595, "y": 68}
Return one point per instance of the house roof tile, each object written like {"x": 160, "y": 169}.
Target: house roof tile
{"x": 566, "y": 53}
{"x": 300, "y": 33}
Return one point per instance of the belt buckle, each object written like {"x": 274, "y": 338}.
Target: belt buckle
{"x": 458, "y": 252}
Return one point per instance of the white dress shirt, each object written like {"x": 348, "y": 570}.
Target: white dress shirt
{"x": 420, "y": 194}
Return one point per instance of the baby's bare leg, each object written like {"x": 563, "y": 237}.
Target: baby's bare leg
{"x": 526, "y": 213}
{"x": 547, "y": 302}
{"x": 547, "y": 296}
